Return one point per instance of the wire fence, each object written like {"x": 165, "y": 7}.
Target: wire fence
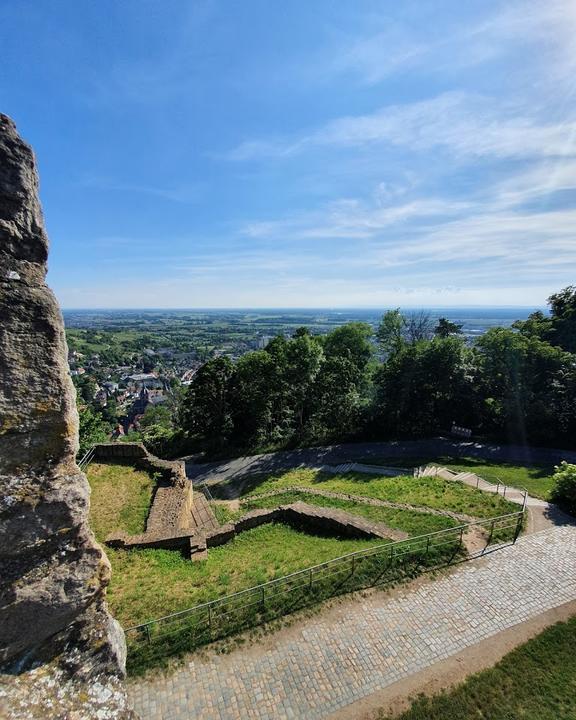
{"x": 384, "y": 564}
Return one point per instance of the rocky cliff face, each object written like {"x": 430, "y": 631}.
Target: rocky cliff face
{"x": 61, "y": 653}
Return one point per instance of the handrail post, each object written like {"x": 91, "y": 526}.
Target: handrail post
{"x": 518, "y": 527}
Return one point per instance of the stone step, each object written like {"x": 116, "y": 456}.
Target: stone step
{"x": 203, "y": 517}
{"x": 198, "y": 549}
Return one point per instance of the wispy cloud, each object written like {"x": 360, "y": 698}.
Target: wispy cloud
{"x": 438, "y": 44}
{"x": 463, "y": 124}
{"x": 187, "y": 193}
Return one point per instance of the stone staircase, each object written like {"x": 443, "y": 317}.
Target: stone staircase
{"x": 202, "y": 516}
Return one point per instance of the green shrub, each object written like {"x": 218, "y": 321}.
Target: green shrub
{"x": 564, "y": 490}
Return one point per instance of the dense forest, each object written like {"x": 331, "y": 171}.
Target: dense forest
{"x": 413, "y": 379}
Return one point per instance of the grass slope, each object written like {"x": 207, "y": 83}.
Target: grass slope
{"x": 150, "y": 583}
{"x": 411, "y": 522}
{"x": 537, "y": 681}
{"x": 429, "y": 491}
{"x": 537, "y": 479}
{"x": 120, "y": 499}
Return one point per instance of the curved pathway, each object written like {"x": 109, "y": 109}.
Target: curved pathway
{"x": 340, "y": 657}
{"x": 337, "y": 454}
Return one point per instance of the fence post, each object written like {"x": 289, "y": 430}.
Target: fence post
{"x": 518, "y": 527}
{"x": 148, "y": 633}
{"x": 504, "y": 495}
{"x": 353, "y": 563}
{"x": 310, "y": 580}
{"x": 263, "y": 600}
{"x": 498, "y": 487}
{"x": 477, "y": 481}
{"x": 210, "y": 620}
{"x": 491, "y": 533}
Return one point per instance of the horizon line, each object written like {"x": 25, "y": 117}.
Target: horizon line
{"x": 334, "y": 308}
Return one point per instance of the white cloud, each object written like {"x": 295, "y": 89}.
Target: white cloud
{"x": 465, "y": 125}
{"x": 438, "y": 44}
{"x": 351, "y": 218}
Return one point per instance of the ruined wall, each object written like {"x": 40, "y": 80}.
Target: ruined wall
{"x": 61, "y": 653}
{"x": 172, "y": 471}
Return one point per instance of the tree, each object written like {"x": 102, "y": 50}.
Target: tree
{"x": 337, "y": 401}
{"x": 158, "y": 415}
{"x": 351, "y": 341}
{"x": 92, "y": 429}
{"x": 445, "y": 328}
{"x": 418, "y": 326}
{"x": 521, "y": 379}
{"x": 564, "y": 490}
{"x": 390, "y": 331}
{"x": 251, "y": 397}
{"x": 558, "y": 328}
{"x": 206, "y": 408}
{"x": 304, "y": 357}
{"x": 424, "y": 386}
{"x": 563, "y": 310}
{"x": 536, "y": 325}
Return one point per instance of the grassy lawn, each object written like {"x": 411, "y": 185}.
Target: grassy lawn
{"x": 537, "y": 681}
{"x": 150, "y": 583}
{"x": 224, "y": 514}
{"x": 411, "y": 522}
{"x": 120, "y": 498}
{"x": 428, "y": 492}
{"x": 147, "y": 584}
{"x": 537, "y": 479}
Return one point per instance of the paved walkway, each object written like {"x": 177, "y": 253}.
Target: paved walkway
{"x": 336, "y": 454}
{"x": 337, "y": 658}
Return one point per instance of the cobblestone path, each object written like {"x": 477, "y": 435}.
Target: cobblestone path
{"x": 328, "y": 664}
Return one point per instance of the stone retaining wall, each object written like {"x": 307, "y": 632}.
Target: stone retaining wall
{"x": 297, "y": 514}
{"x": 171, "y": 471}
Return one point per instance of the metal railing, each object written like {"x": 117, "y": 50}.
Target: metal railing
{"x": 500, "y": 488}
{"x": 203, "y": 487}
{"x": 87, "y": 458}
{"x": 379, "y": 565}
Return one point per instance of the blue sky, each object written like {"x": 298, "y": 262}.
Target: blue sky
{"x": 309, "y": 153}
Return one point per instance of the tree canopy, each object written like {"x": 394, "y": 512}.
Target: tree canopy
{"x": 515, "y": 384}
